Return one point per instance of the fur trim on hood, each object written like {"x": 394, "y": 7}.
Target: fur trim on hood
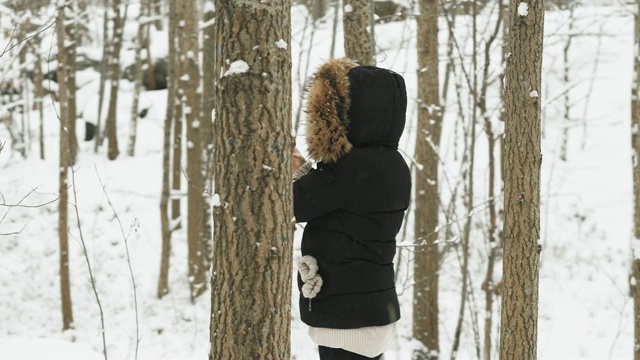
{"x": 327, "y": 107}
{"x": 354, "y": 106}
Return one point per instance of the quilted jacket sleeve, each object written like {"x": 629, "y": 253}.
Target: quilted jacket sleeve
{"x": 317, "y": 193}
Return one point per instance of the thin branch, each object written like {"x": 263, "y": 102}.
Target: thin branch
{"x": 6, "y": 48}
{"x": 86, "y": 256}
{"x": 126, "y": 246}
{"x": 9, "y": 48}
{"x": 15, "y": 232}
{"x": 19, "y": 204}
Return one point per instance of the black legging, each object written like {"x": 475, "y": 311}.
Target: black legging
{"x": 327, "y": 353}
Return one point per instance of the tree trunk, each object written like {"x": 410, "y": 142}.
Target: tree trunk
{"x": 137, "y": 87}
{"x": 427, "y": 198}
{"x": 188, "y": 84}
{"x": 38, "y": 79}
{"x": 151, "y": 78}
{"x": 157, "y": 11}
{"x": 71, "y": 30}
{"x": 176, "y": 170}
{"x": 318, "y": 8}
{"x": 63, "y": 211}
{"x": 358, "y": 44}
{"x": 253, "y": 228}
{"x": 494, "y": 237}
{"x": 116, "y": 46}
{"x": 519, "y": 317}
{"x": 208, "y": 106}
{"x": 163, "y": 280}
{"x": 635, "y": 142}
{"x": 24, "y": 137}
{"x": 104, "y": 68}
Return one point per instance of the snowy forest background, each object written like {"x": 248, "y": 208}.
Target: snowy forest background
{"x": 585, "y": 307}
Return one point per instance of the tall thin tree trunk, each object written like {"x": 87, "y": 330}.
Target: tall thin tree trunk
{"x": 523, "y": 158}
{"x": 24, "y": 93}
{"x": 137, "y": 87}
{"x": 38, "y": 79}
{"x": 151, "y": 78}
{"x": 112, "y": 125}
{"x": 334, "y": 27}
{"x": 188, "y": 84}
{"x": 157, "y": 11}
{"x": 71, "y": 30}
{"x": 253, "y": 229}
{"x": 469, "y": 203}
{"x": 63, "y": 210}
{"x": 176, "y": 169}
{"x": 358, "y": 43}
{"x": 488, "y": 285}
{"x": 104, "y": 68}
{"x": 427, "y": 197}
{"x": 635, "y": 142}
{"x": 566, "y": 72}
{"x": 176, "y": 165}
{"x": 163, "y": 280}
{"x": 208, "y": 106}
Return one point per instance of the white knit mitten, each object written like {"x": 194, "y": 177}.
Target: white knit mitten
{"x": 308, "y": 267}
{"x": 311, "y": 287}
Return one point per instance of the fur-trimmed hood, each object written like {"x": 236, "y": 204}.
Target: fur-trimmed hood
{"x": 350, "y": 105}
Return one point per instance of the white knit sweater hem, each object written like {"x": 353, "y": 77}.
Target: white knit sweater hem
{"x": 367, "y": 341}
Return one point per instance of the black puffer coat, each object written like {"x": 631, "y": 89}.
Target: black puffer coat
{"x": 354, "y": 202}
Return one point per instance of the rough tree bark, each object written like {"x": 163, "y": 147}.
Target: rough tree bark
{"x": 523, "y": 158}
{"x": 253, "y": 219}
{"x": 358, "y": 44}
{"x": 427, "y": 197}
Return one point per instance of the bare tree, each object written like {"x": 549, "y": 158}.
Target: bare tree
{"x": 358, "y": 41}
{"x": 427, "y": 197}
{"x": 253, "y": 229}
{"x": 114, "y": 74}
{"x": 566, "y": 77}
{"x": 635, "y": 142}
{"x": 188, "y": 85}
{"x": 141, "y": 41}
{"x": 208, "y": 106}
{"x": 494, "y": 236}
{"x": 63, "y": 186}
{"x": 71, "y": 30}
{"x": 38, "y": 79}
{"x": 163, "y": 280}
{"x": 523, "y": 158}
{"x": 104, "y": 68}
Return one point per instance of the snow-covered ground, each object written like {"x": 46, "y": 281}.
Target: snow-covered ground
{"x": 585, "y": 309}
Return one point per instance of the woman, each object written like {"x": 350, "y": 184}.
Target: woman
{"x": 353, "y": 203}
